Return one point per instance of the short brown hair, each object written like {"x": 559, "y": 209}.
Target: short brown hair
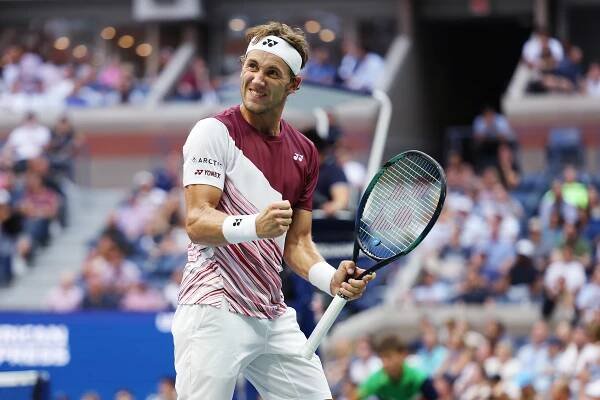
{"x": 294, "y": 36}
{"x": 390, "y": 343}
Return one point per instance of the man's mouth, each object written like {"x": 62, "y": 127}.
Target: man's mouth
{"x": 256, "y": 94}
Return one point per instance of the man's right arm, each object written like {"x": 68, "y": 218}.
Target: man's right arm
{"x": 204, "y": 223}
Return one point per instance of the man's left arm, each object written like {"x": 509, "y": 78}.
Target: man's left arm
{"x": 302, "y": 256}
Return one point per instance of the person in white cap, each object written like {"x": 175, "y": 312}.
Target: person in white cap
{"x": 249, "y": 178}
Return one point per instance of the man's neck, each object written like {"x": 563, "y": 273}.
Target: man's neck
{"x": 267, "y": 123}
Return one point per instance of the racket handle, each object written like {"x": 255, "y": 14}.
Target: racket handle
{"x": 323, "y": 326}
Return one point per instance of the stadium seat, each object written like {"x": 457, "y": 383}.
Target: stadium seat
{"x": 564, "y": 147}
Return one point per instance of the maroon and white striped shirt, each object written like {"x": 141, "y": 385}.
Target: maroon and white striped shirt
{"x": 253, "y": 170}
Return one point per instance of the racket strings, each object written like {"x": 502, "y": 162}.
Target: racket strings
{"x": 400, "y": 206}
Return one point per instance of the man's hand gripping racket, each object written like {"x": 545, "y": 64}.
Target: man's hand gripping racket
{"x": 396, "y": 212}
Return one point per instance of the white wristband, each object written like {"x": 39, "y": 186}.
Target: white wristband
{"x": 240, "y": 228}
{"x": 320, "y": 275}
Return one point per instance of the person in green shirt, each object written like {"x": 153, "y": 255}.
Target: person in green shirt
{"x": 396, "y": 380}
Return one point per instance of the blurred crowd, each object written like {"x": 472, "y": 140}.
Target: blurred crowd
{"x": 42, "y": 77}
{"x": 136, "y": 262}
{"x": 504, "y": 237}
{"x": 39, "y": 72}
{"x": 559, "y": 67}
{"x": 509, "y": 237}
{"x": 359, "y": 69}
{"x": 467, "y": 363}
{"x": 165, "y": 390}
{"x": 35, "y": 75}
{"x": 36, "y": 167}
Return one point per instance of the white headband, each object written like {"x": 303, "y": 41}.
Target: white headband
{"x": 279, "y": 47}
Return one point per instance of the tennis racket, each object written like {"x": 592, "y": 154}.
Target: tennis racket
{"x": 396, "y": 212}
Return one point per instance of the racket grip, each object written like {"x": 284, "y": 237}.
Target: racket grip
{"x": 323, "y": 326}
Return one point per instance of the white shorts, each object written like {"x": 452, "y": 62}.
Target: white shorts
{"x": 212, "y": 346}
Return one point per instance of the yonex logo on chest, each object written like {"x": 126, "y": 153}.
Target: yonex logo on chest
{"x": 298, "y": 157}
{"x": 269, "y": 42}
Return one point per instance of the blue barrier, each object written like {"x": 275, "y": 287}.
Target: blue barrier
{"x": 103, "y": 351}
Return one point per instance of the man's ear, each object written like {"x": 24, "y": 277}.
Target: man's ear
{"x": 295, "y": 84}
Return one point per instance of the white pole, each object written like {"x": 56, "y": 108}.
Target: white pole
{"x": 381, "y": 132}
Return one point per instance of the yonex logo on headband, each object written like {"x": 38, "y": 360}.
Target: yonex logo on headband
{"x": 281, "y": 48}
{"x": 269, "y": 42}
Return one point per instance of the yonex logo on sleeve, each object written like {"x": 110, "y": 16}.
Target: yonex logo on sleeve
{"x": 237, "y": 222}
{"x": 269, "y": 42}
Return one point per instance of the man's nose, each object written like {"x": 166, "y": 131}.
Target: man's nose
{"x": 258, "y": 77}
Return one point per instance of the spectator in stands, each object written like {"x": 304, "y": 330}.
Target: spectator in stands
{"x": 592, "y": 230}
{"x": 502, "y": 364}
{"x": 396, "y": 380}
{"x": 98, "y": 296}
{"x": 533, "y": 48}
{"x": 7, "y": 238}
{"x": 67, "y": 296}
{"x": 497, "y": 249}
{"x": 560, "y": 390}
{"x": 10, "y": 67}
{"x": 533, "y": 356}
{"x": 332, "y": 193}
{"x": 523, "y": 277}
{"x": 360, "y": 68}
{"x": 168, "y": 175}
{"x": 39, "y": 206}
{"x": 124, "y": 394}
{"x": 474, "y": 289}
{"x": 588, "y": 298}
{"x": 592, "y": 80}
{"x": 554, "y": 209}
{"x": 582, "y": 248}
{"x": 41, "y": 166}
{"x": 26, "y": 141}
{"x": 567, "y": 76}
{"x": 459, "y": 174}
{"x": 431, "y": 354}
{"x": 574, "y": 192}
{"x": 365, "y": 363}
{"x": 430, "y": 290}
{"x": 563, "y": 278}
{"x": 166, "y": 390}
{"x": 118, "y": 273}
{"x": 132, "y": 216}
{"x": 65, "y": 143}
{"x": 490, "y": 129}
{"x": 458, "y": 355}
{"x": 195, "y": 84}
{"x": 542, "y": 242}
{"x": 141, "y": 297}
{"x": 494, "y": 331}
{"x": 319, "y": 68}
{"x": 355, "y": 171}
{"x": 571, "y": 354}
{"x": 90, "y": 395}
{"x": 508, "y": 168}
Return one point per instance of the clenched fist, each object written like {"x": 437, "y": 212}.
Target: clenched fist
{"x": 274, "y": 220}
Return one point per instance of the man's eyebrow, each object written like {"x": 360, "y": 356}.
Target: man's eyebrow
{"x": 269, "y": 65}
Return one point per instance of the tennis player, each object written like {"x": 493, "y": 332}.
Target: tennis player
{"x": 249, "y": 178}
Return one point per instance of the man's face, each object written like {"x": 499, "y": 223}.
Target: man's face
{"x": 392, "y": 362}
{"x": 265, "y": 82}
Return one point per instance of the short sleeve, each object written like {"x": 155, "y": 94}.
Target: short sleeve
{"x": 205, "y": 154}
{"x": 305, "y": 200}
